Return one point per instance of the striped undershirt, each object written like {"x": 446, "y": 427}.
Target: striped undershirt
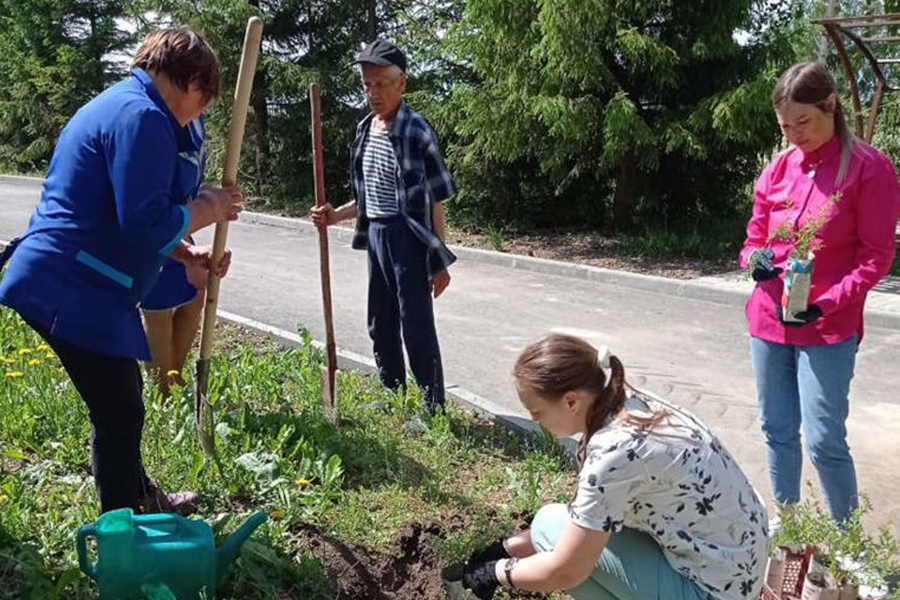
{"x": 380, "y": 176}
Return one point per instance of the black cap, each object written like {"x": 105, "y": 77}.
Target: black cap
{"x": 382, "y": 53}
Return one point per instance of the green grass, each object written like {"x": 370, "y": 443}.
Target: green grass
{"x": 359, "y": 482}
{"x": 709, "y": 239}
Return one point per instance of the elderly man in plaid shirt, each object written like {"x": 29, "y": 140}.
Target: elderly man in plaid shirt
{"x": 399, "y": 179}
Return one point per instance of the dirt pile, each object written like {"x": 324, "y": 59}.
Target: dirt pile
{"x": 412, "y": 573}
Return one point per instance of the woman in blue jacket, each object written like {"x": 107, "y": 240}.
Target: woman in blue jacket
{"x": 108, "y": 218}
{"x": 173, "y": 308}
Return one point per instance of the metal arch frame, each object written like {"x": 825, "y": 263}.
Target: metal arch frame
{"x": 837, "y": 26}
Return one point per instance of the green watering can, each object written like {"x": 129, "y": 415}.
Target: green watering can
{"x": 158, "y": 557}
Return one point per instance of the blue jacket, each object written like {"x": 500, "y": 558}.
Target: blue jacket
{"x": 172, "y": 289}
{"x": 109, "y": 214}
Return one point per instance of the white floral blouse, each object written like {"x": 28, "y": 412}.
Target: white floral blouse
{"x": 677, "y": 483}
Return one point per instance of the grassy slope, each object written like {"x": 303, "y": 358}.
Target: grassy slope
{"x": 359, "y": 482}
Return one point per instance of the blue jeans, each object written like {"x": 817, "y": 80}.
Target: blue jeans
{"x": 632, "y": 566}
{"x": 808, "y": 385}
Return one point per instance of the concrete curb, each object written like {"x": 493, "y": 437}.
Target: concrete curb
{"x": 351, "y": 361}
{"x": 559, "y": 268}
{"x": 693, "y": 290}
{"x": 22, "y": 177}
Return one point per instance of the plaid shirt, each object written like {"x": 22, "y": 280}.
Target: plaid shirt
{"x": 422, "y": 178}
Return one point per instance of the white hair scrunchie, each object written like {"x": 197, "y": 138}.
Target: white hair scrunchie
{"x": 603, "y": 356}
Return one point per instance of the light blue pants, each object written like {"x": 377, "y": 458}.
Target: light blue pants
{"x": 807, "y": 385}
{"x": 632, "y": 566}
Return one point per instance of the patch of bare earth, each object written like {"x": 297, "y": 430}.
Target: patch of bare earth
{"x": 590, "y": 248}
{"x": 411, "y": 572}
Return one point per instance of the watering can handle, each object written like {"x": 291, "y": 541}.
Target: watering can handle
{"x": 157, "y": 518}
{"x": 84, "y": 532}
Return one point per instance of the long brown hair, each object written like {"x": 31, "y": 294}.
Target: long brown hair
{"x": 183, "y": 56}
{"x": 811, "y": 83}
{"x": 559, "y": 363}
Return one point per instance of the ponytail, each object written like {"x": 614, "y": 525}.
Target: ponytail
{"x": 846, "y": 138}
{"x": 607, "y": 405}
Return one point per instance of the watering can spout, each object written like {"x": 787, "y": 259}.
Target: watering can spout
{"x": 232, "y": 546}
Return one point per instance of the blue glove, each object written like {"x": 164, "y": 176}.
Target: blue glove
{"x": 761, "y": 265}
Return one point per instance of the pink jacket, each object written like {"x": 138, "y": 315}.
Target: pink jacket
{"x": 857, "y": 241}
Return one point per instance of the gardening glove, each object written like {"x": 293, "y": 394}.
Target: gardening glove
{"x": 495, "y": 551}
{"x": 807, "y": 316}
{"x": 481, "y": 579}
{"x": 761, "y": 263}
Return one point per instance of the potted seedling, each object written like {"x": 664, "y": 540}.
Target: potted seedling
{"x": 848, "y": 557}
{"x": 801, "y": 259}
{"x": 801, "y": 532}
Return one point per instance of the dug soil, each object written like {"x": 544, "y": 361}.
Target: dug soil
{"x": 411, "y": 572}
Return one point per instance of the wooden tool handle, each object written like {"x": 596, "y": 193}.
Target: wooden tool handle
{"x": 249, "y": 57}
{"x": 315, "y": 105}
{"x": 324, "y": 270}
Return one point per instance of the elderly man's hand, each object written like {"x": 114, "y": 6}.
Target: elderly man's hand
{"x": 323, "y": 216}
{"x": 440, "y": 282}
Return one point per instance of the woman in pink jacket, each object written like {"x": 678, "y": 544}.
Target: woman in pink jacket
{"x": 803, "y": 369}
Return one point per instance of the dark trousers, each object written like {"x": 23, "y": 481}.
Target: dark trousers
{"x": 111, "y": 387}
{"x": 400, "y": 304}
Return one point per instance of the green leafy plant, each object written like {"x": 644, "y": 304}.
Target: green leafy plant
{"x": 803, "y": 239}
{"x": 496, "y": 239}
{"x": 850, "y": 554}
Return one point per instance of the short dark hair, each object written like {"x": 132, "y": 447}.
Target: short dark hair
{"x": 183, "y": 56}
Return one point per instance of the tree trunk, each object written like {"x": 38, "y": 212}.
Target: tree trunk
{"x": 371, "y": 20}
{"x": 259, "y": 102}
{"x": 261, "y": 115}
{"x": 623, "y": 199}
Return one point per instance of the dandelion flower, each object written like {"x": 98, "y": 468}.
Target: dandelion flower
{"x": 8, "y": 361}
{"x": 173, "y": 373}
{"x": 302, "y": 482}
{"x": 49, "y": 355}
{"x": 3, "y": 497}
{"x": 42, "y": 347}
{"x": 24, "y": 351}
{"x": 276, "y": 514}
{"x": 34, "y": 362}
{"x": 14, "y": 374}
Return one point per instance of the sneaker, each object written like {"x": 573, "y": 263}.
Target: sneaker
{"x": 157, "y": 501}
{"x": 775, "y": 527}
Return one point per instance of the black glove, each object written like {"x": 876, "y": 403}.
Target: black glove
{"x": 761, "y": 265}
{"x": 481, "y": 579}
{"x": 495, "y": 551}
{"x": 806, "y": 317}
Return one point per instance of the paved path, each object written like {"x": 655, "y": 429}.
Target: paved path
{"x": 692, "y": 350}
